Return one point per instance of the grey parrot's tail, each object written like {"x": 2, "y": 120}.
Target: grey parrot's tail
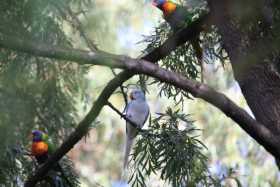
{"x": 128, "y": 146}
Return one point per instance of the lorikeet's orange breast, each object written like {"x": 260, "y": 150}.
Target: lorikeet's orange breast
{"x": 39, "y": 148}
{"x": 168, "y": 8}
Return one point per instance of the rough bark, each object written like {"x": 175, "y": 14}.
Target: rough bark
{"x": 258, "y": 77}
{"x": 261, "y": 89}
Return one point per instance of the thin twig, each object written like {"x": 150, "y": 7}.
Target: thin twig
{"x": 141, "y": 131}
{"x": 121, "y": 88}
{"x": 123, "y": 116}
{"x": 79, "y": 27}
{"x": 76, "y": 24}
{"x": 91, "y": 44}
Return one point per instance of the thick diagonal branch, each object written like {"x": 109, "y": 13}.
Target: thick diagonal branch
{"x": 82, "y": 128}
{"x": 133, "y": 66}
{"x": 240, "y": 116}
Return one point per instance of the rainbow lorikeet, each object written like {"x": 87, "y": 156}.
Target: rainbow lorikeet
{"x": 178, "y": 17}
{"x": 41, "y": 149}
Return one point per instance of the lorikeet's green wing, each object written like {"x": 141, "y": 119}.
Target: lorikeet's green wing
{"x": 180, "y": 18}
{"x": 51, "y": 146}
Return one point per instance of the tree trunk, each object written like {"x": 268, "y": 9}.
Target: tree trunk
{"x": 261, "y": 89}
{"x": 258, "y": 77}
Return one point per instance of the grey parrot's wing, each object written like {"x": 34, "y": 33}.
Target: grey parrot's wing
{"x": 146, "y": 117}
{"x": 126, "y": 108}
{"x": 129, "y": 116}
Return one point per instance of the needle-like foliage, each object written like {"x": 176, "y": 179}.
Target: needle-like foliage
{"x": 35, "y": 92}
{"x": 172, "y": 149}
{"x": 183, "y": 60}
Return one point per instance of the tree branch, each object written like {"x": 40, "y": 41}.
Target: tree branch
{"x": 133, "y": 66}
{"x": 83, "y": 126}
{"x": 121, "y": 89}
{"x": 251, "y": 126}
{"x": 101, "y": 57}
{"x": 81, "y": 130}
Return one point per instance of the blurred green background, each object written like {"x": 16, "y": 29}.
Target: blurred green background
{"x": 118, "y": 27}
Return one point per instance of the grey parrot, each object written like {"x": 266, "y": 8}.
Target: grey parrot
{"x": 137, "y": 110}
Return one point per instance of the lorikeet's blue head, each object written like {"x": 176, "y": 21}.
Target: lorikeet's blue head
{"x": 167, "y": 7}
{"x": 158, "y": 3}
{"x": 37, "y": 135}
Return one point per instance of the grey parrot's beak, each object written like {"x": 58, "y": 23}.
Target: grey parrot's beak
{"x": 131, "y": 96}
